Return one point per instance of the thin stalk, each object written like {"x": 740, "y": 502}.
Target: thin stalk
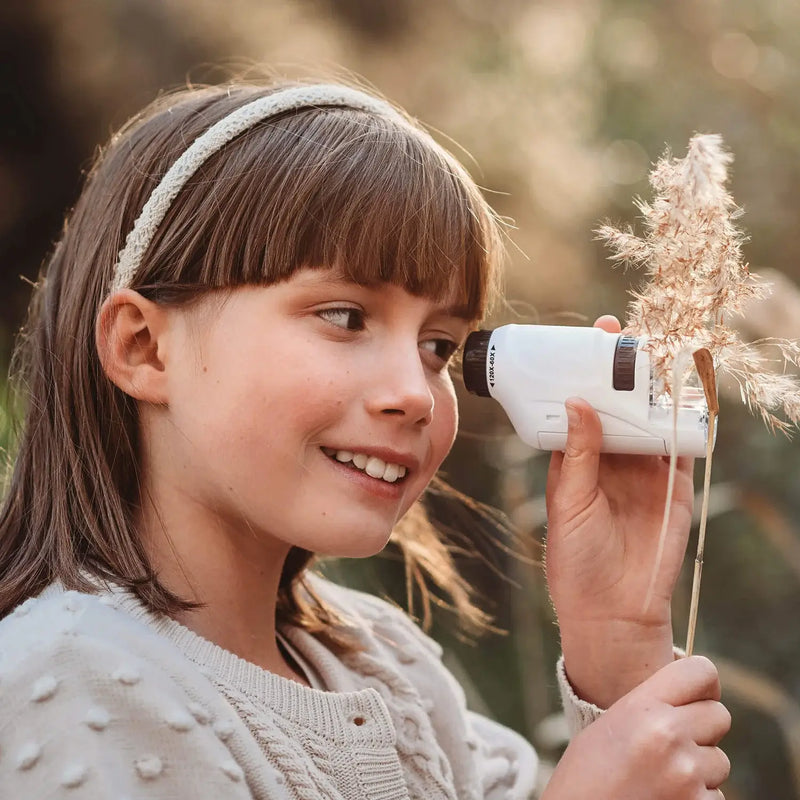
{"x": 705, "y": 369}
{"x": 677, "y": 386}
{"x": 662, "y": 536}
{"x": 701, "y": 538}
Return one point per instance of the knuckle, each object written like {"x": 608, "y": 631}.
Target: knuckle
{"x": 566, "y": 513}
{"x": 683, "y": 774}
{"x": 706, "y": 673}
{"x": 660, "y": 736}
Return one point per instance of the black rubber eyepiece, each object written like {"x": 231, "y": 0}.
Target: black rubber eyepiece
{"x": 473, "y": 362}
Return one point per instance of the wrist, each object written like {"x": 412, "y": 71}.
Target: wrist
{"x": 606, "y": 660}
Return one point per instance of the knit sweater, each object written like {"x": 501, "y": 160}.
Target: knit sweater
{"x": 102, "y": 699}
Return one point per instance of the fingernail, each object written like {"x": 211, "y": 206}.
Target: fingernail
{"x": 573, "y": 416}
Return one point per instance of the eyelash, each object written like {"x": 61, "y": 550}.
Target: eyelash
{"x": 450, "y": 349}
{"x": 329, "y": 313}
{"x": 443, "y": 349}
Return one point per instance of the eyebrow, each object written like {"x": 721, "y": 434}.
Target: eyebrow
{"x": 327, "y": 275}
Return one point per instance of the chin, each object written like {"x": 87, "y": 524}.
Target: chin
{"x": 361, "y": 548}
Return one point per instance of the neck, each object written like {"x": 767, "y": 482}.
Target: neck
{"x": 232, "y": 571}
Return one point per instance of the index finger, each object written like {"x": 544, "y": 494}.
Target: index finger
{"x": 684, "y": 681}
{"x": 609, "y": 323}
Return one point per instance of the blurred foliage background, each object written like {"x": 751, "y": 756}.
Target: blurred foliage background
{"x": 560, "y": 106}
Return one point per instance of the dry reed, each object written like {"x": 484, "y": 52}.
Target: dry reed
{"x": 696, "y": 280}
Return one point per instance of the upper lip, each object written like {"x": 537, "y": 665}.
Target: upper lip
{"x": 407, "y": 460}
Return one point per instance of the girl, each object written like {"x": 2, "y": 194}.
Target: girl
{"x": 237, "y": 358}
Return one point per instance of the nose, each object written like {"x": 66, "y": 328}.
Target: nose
{"x": 400, "y": 387}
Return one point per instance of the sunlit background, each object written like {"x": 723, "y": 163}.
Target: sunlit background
{"x": 558, "y": 109}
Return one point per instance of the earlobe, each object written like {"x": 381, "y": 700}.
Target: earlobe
{"x": 131, "y": 334}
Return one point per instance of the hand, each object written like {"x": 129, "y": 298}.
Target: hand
{"x": 658, "y": 742}
{"x": 604, "y": 519}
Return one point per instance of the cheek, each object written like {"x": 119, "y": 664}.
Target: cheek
{"x": 445, "y": 419}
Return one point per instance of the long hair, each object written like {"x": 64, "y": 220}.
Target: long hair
{"x": 375, "y": 196}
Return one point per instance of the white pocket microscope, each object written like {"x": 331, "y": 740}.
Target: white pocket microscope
{"x": 532, "y": 369}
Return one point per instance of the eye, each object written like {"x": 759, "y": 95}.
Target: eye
{"x": 443, "y": 349}
{"x": 350, "y": 319}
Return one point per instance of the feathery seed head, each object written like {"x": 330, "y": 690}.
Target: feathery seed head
{"x": 696, "y": 279}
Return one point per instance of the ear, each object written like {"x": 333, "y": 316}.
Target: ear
{"x": 131, "y": 335}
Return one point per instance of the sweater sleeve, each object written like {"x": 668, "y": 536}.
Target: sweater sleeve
{"x": 579, "y": 713}
{"x": 83, "y": 719}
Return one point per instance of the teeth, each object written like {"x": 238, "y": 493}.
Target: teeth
{"x": 374, "y": 467}
{"x": 391, "y": 473}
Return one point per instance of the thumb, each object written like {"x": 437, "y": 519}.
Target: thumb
{"x": 577, "y": 472}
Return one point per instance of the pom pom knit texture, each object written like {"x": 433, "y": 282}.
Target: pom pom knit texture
{"x": 105, "y": 699}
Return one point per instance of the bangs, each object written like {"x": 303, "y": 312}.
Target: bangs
{"x": 374, "y": 197}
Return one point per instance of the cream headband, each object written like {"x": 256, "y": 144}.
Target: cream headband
{"x": 218, "y": 135}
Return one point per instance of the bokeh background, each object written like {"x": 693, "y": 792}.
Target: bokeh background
{"x": 558, "y": 108}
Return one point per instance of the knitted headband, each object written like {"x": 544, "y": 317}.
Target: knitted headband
{"x": 218, "y": 135}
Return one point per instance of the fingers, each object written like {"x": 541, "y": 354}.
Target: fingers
{"x": 577, "y": 470}
{"x": 685, "y": 464}
{"x": 708, "y": 720}
{"x": 684, "y": 681}
{"x": 715, "y": 767}
{"x": 608, "y": 323}
{"x": 553, "y": 476}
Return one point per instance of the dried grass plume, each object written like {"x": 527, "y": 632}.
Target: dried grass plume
{"x": 696, "y": 280}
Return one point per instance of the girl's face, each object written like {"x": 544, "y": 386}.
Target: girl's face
{"x": 313, "y": 412}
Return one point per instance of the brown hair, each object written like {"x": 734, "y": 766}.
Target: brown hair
{"x": 370, "y": 194}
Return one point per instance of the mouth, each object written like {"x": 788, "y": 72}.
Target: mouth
{"x": 371, "y": 465}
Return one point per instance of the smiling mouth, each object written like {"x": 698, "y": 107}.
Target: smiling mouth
{"x": 372, "y": 466}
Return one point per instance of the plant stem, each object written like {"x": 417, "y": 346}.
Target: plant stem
{"x": 662, "y": 536}
{"x": 704, "y": 364}
{"x": 701, "y": 539}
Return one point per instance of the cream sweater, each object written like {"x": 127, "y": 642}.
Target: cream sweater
{"x": 102, "y": 700}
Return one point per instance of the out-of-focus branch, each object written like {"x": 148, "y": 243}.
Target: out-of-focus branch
{"x": 761, "y": 693}
{"x": 773, "y": 524}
